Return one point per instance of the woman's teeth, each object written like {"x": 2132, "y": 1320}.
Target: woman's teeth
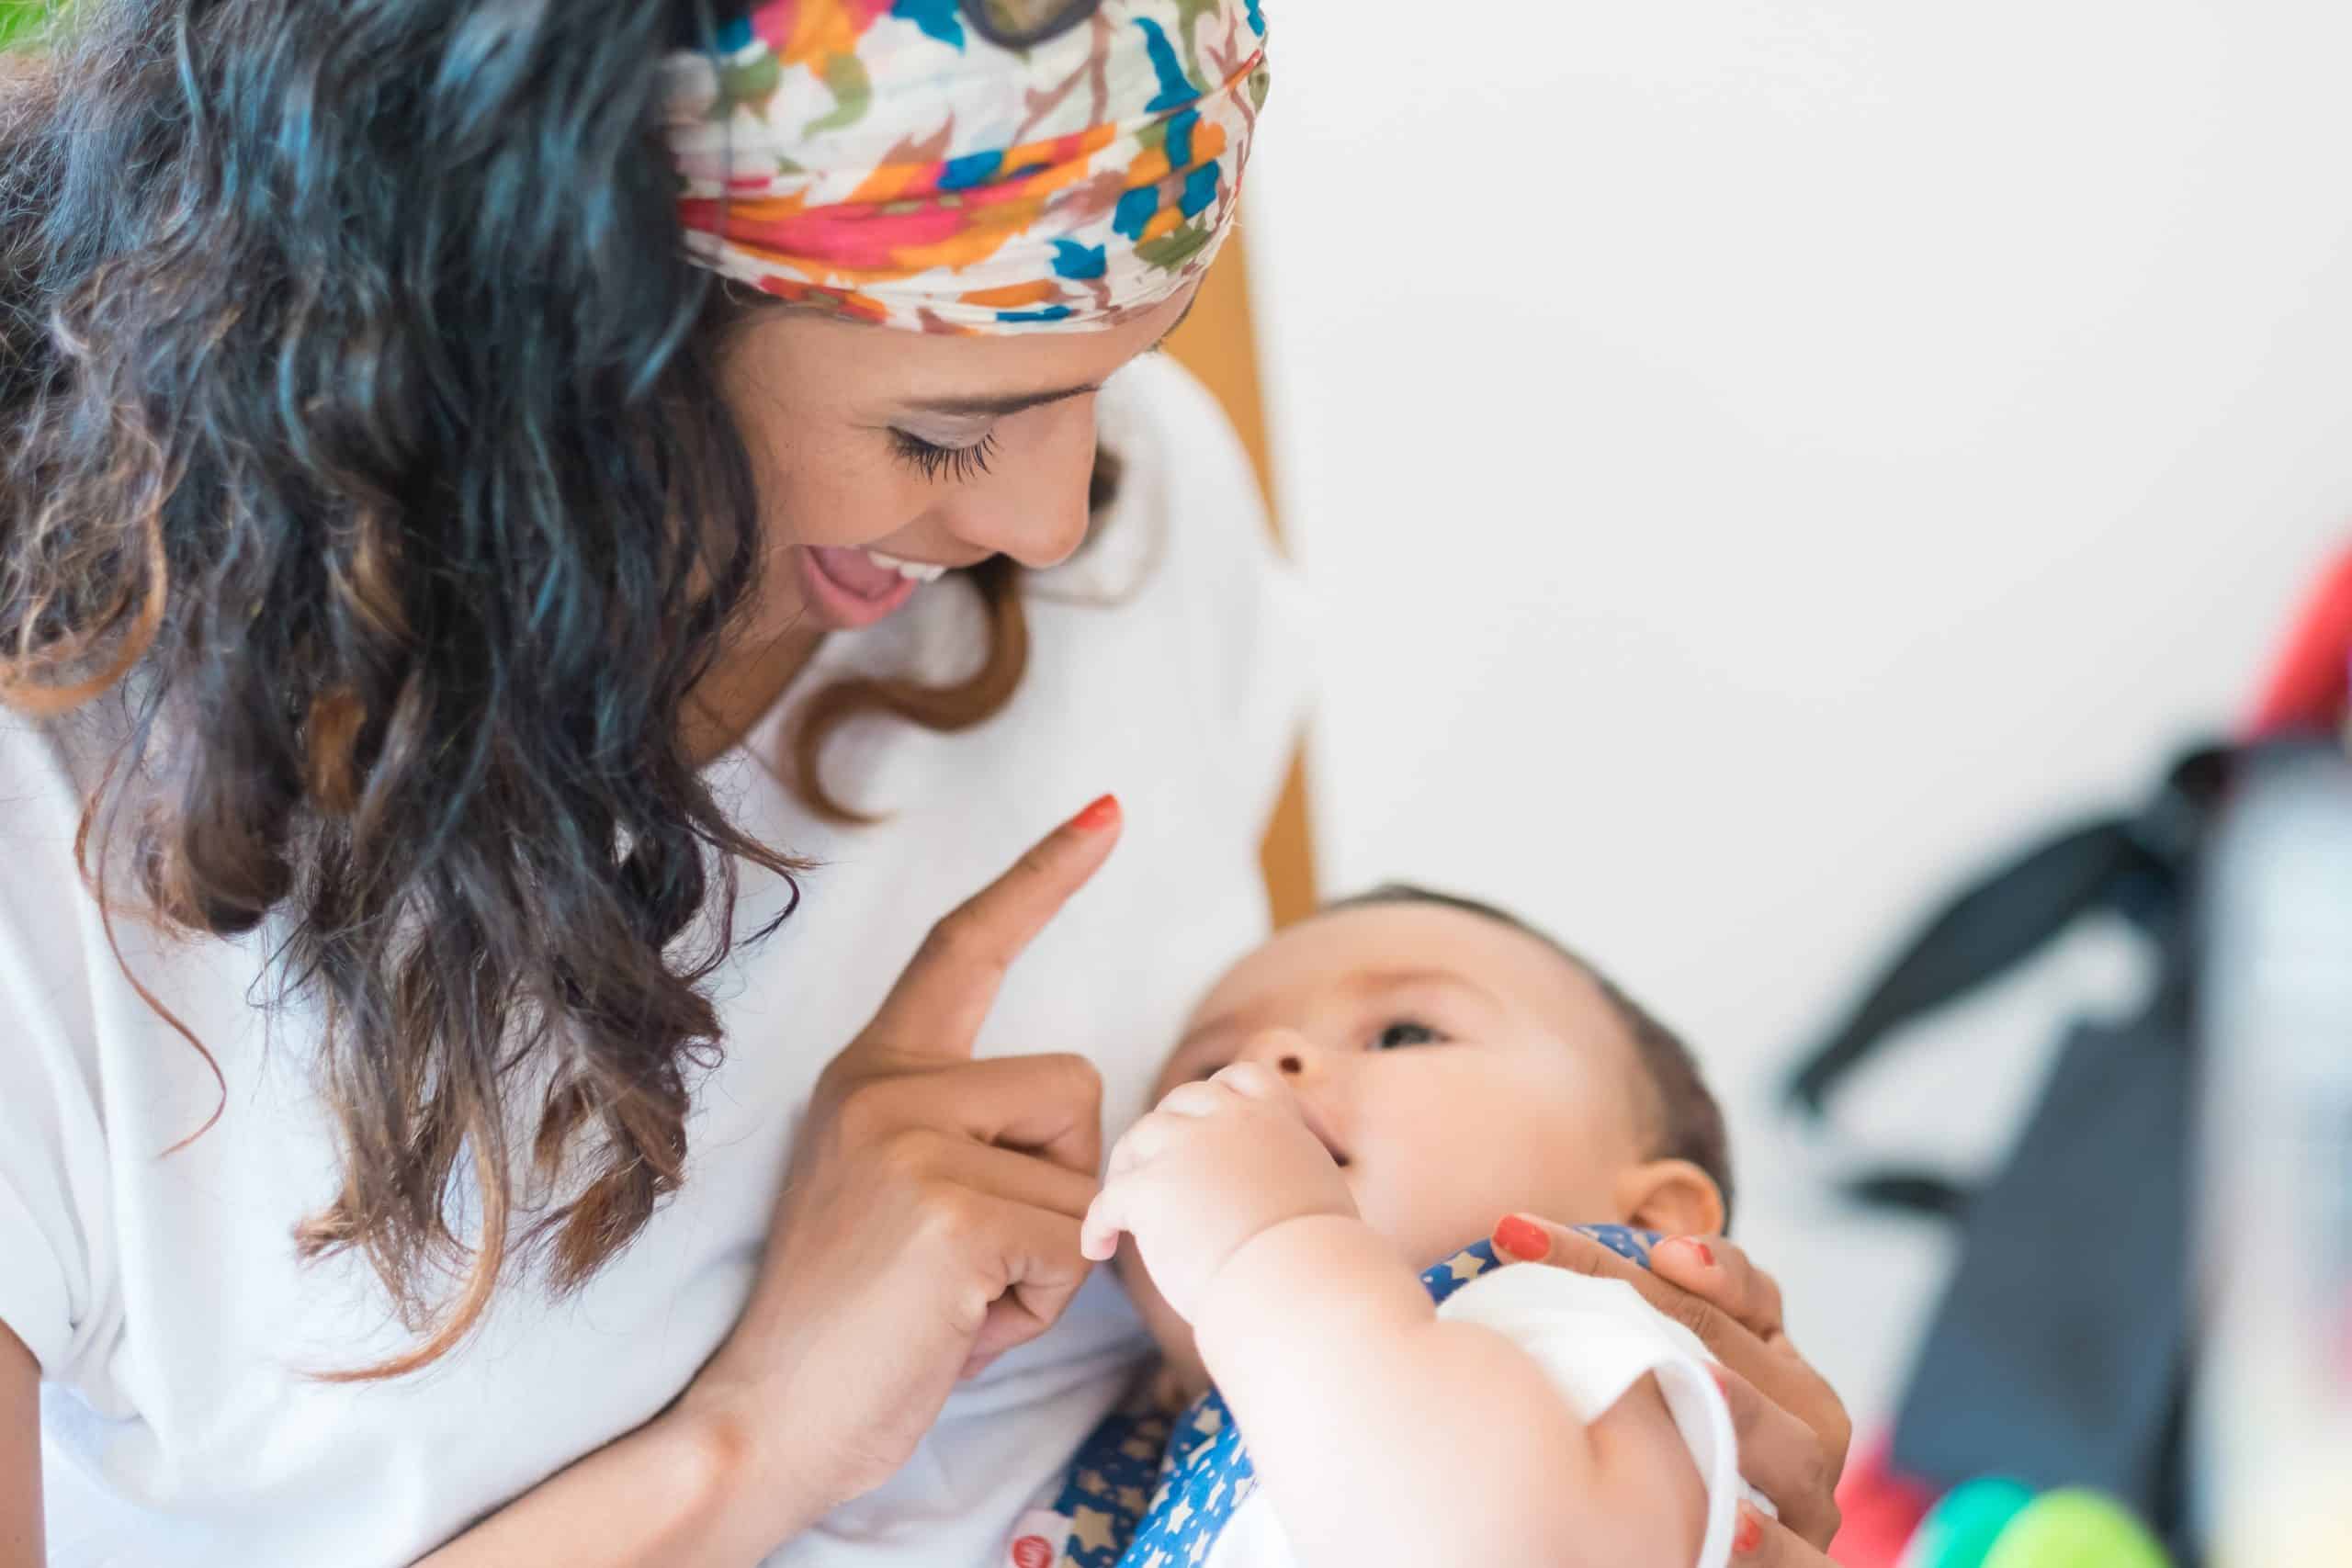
{"x": 912, "y": 570}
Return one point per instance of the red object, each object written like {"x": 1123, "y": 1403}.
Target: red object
{"x": 1523, "y": 1239}
{"x": 1097, "y": 816}
{"x": 1749, "y": 1531}
{"x": 1706, "y": 1254}
{"x": 1881, "y": 1507}
{"x": 1031, "y": 1551}
{"x": 2307, "y": 688}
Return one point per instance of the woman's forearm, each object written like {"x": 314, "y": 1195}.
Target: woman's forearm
{"x": 672, "y": 1492}
{"x": 1382, "y": 1432}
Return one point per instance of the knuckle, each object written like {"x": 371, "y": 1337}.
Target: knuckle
{"x": 1840, "y": 1439}
{"x": 836, "y": 1078}
{"x": 1702, "y": 1317}
{"x": 908, "y": 1154}
{"x": 1582, "y": 1254}
{"x": 1195, "y": 1097}
{"x": 865, "y": 1109}
{"x": 957, "y": 938}
{"x": 1250, "y": 1077}
{"x": 944, "y": 1212}
{"x": 1077, "y": 1079}
{"x": 1819, "y": 1480}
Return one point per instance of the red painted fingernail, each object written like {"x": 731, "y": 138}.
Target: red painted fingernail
{"x": 1750, "y": 1530}
{"x": 1523, "y": 1239}
{"x": 1097, "y": 816}
{"x": 1706, "y": 1254}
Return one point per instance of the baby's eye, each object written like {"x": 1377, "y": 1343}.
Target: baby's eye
{"x": 1405, "y": 1031}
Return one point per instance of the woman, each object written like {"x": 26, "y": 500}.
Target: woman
{"x": 475, "y": 475}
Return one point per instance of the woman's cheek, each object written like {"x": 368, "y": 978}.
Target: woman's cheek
{"x": 836, "y": 503}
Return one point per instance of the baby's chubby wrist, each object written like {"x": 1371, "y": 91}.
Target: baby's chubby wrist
{"x": 1298, "y": 1270}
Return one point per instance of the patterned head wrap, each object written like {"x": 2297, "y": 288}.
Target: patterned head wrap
{"x": 882, "y": 160}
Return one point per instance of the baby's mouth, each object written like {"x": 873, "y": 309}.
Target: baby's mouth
{"x": 1315, "y": 1124}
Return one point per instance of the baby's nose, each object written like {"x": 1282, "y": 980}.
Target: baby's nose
{"x": 1286, "y": 1051}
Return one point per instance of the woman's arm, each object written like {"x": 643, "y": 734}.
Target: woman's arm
{"x": 914, "y": 1240}
{"x": 1386, "y": 1433}
{"x": 20, "y": 1526}
{"x": 665, "y": 1493}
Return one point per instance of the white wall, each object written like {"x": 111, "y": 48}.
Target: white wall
{"x": 1757, "y": 459}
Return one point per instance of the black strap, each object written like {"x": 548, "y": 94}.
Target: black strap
{"x": 2129, "y": 864}
{"x": 1989, "y": 929}
{"x": 1913, "y": 1191}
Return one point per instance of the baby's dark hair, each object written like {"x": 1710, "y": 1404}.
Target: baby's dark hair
{"x": 1691, "y": 1123}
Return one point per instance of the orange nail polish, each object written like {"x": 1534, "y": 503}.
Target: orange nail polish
{"x": 1097, "y": 816}
{"x": 1749, "y": 1531}
{"x": 1523, "y": 1239}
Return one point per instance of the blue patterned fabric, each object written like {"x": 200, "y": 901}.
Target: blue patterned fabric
{"x": 1151, "y": 1490}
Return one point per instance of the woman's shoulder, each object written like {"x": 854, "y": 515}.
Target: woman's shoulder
{"x": 46, "y": 774}
{"x": 1155, "y": 405}
{"x": 1186, "y": 554}
{"x": 52, "y": 1142}
{"x": 41, "y": 789}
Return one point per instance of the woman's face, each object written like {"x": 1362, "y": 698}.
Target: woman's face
{"x": 938, "y": 452}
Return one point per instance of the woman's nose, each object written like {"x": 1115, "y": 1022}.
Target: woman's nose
{"x": 1036, "y": 506}
{"x": 1285, "y": 1051}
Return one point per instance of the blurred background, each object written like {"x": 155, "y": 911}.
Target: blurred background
{"x": 1757, "y": 467}
{"x": 1759, "y": 463}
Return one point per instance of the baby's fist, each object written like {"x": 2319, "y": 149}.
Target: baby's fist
{"x": 1216, "y": 1164}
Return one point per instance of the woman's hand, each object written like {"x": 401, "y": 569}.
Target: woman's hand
{"x": 1793, "y": 1428}
{"x": 929, "y": 1220}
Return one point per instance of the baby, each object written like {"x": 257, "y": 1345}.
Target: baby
{"x": 1351, "y": 1101}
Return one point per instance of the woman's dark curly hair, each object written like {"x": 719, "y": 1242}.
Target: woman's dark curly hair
{"x": 364, "y": 442}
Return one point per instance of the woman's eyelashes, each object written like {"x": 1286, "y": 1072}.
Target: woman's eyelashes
{"x": 959, "y": 463}
{"x": 1403, "y": 1031}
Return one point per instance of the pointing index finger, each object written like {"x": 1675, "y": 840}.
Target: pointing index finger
{"x": 940, "y": 1001}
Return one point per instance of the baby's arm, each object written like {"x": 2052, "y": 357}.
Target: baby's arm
{"x": 1382, "y": 1432}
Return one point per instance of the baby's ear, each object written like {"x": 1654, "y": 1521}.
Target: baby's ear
{"x": 1671, "y": 1195}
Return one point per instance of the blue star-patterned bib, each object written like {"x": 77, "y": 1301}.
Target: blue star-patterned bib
{"x": 1152, "y": 1490}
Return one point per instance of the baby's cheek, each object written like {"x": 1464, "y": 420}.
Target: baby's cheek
{"x": 1446, "y": 1186}
{"x": 1420, "y": 1197}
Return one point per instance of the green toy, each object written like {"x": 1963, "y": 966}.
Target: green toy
{"x": 1960, "y": 1530}
{"x": 2076, "y": 1529}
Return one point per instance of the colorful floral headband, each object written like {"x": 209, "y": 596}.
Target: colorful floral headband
{"x": 885, "y": 161}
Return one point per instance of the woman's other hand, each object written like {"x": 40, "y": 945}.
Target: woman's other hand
{"x": 929, "y": 1220}
{"x": 1792, "y": 1427}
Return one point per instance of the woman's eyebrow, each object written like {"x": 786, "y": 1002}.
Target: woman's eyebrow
{"x": 969, "y": 408}
{"x": 1016, "y": 403}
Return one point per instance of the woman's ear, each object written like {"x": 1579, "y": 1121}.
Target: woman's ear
{"x": 1671, "y": 1195}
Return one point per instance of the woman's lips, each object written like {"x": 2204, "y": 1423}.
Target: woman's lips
{"x": 850, "y": 588}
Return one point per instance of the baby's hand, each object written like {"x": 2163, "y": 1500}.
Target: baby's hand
{"x": 1220, "y": 1162}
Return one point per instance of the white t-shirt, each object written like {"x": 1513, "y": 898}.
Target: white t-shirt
{"x": 1595, "y": 1339}
{"x": 162, "y": 1297}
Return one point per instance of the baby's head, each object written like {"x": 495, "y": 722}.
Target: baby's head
{"x": 1461, "y": 1065}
